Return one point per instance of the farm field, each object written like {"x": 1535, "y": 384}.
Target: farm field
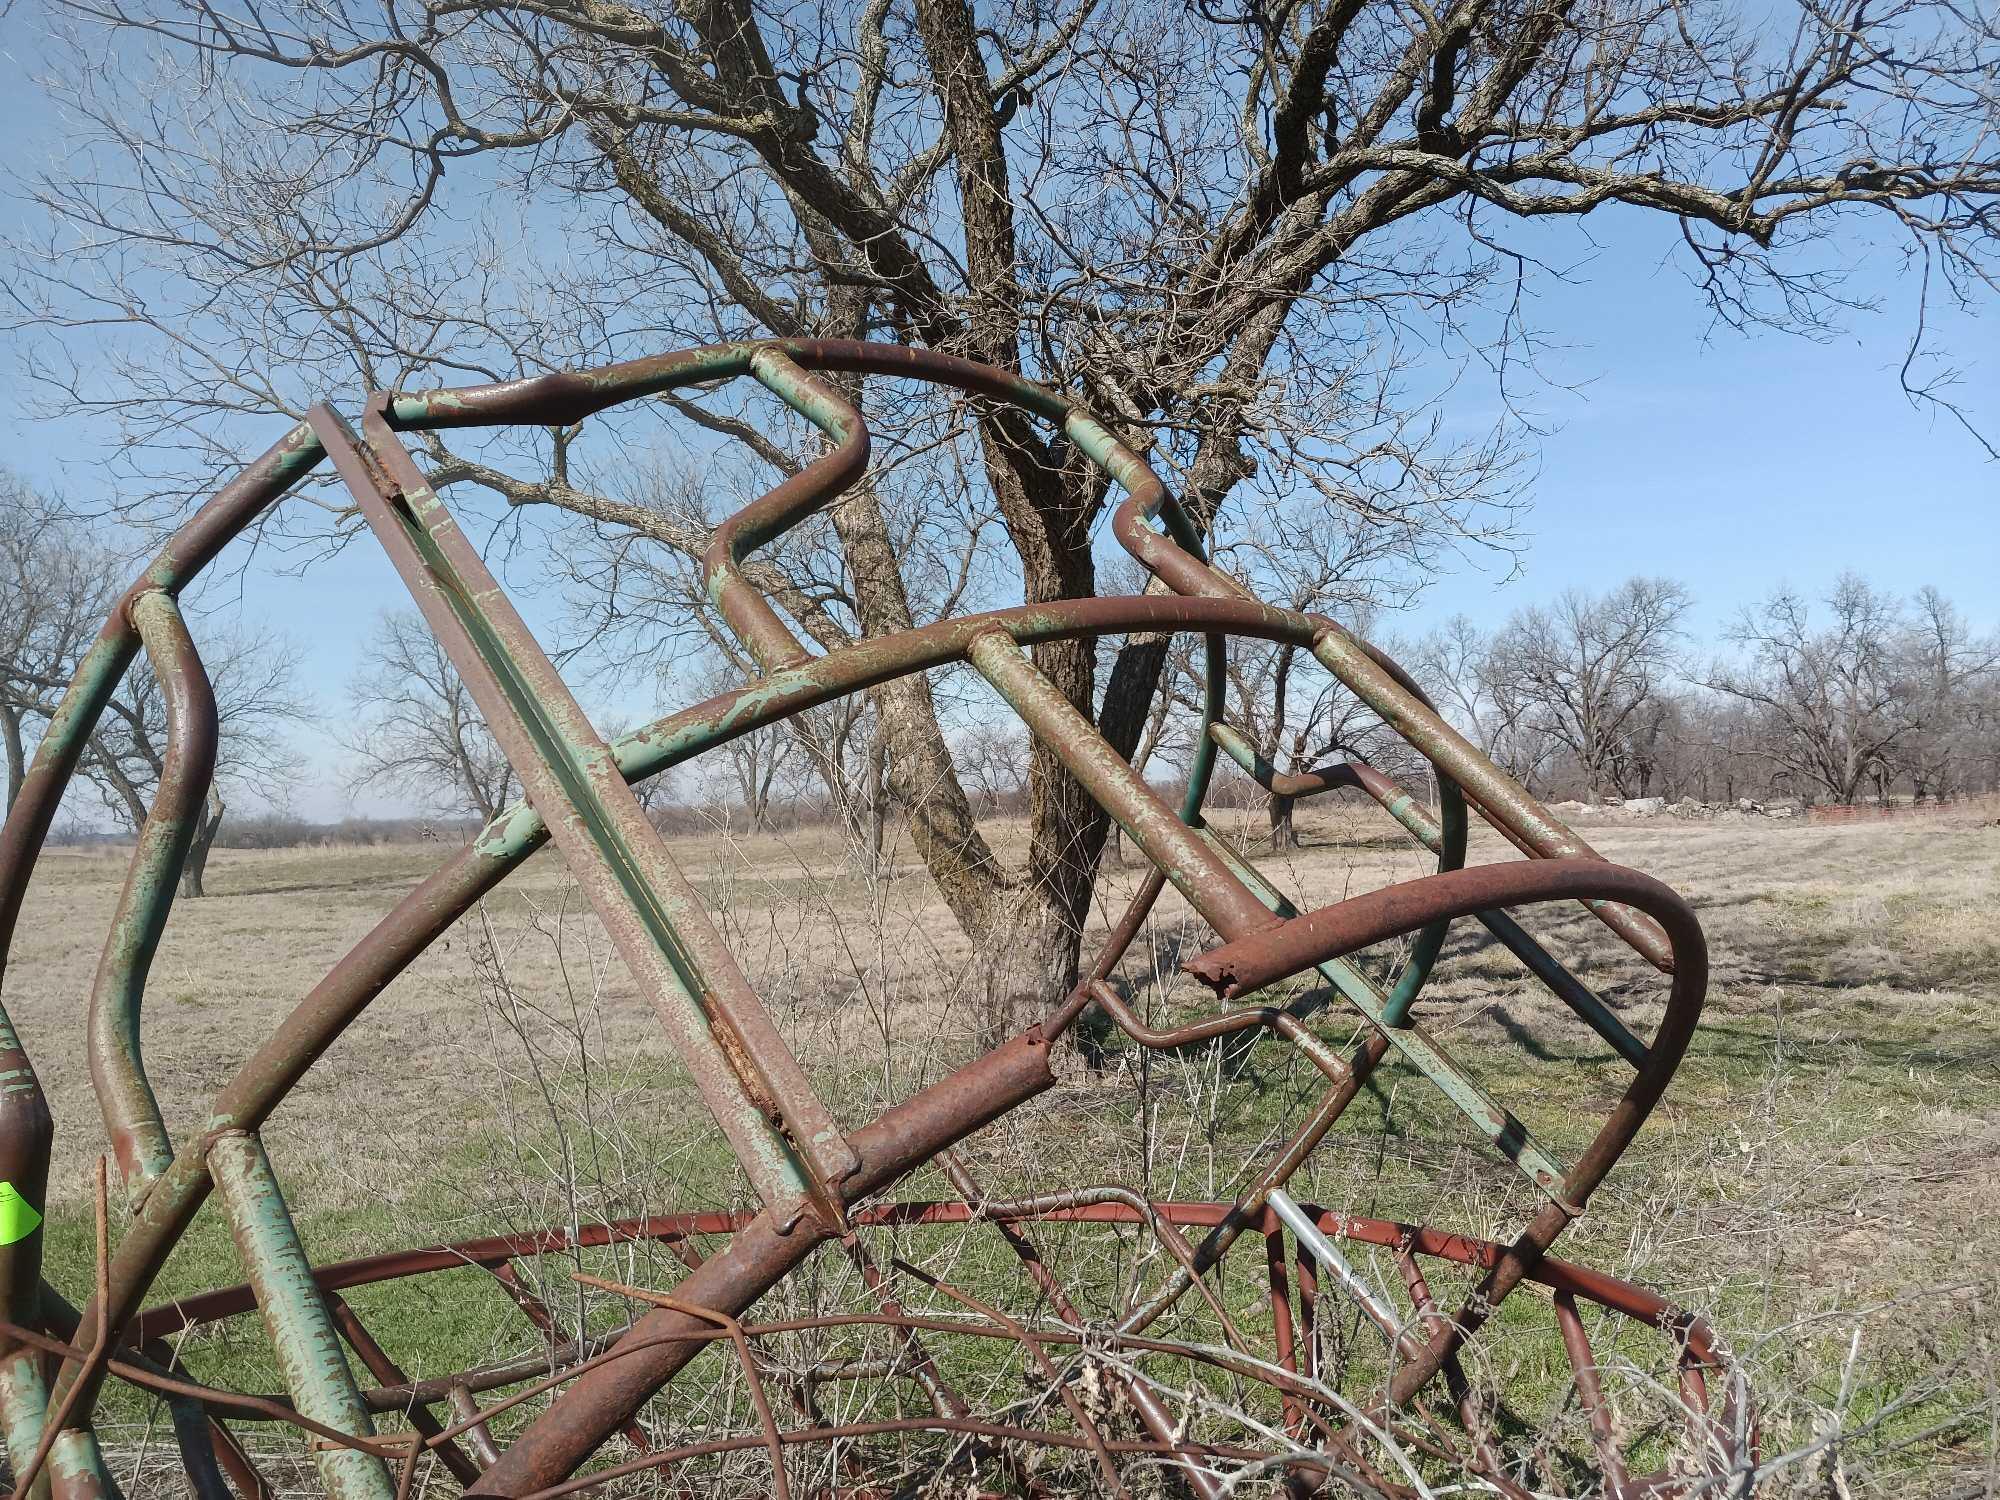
{"x": 1820, "y": 1181}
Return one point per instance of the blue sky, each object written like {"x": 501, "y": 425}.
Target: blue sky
{"x": 1735, "y": 461}
{"x": 1731, "y": 461}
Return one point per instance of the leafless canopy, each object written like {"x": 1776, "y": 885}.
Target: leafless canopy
{"x": 1228, "y": 228}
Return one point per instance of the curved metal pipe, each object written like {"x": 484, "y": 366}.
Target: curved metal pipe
{"x": 139, "y": 1140}
{"x": 1249, "y": 964}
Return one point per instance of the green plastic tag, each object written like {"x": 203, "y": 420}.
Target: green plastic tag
{"x": 18, "y": 1217}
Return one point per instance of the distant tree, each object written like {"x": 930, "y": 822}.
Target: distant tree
{"x": 416, "y": 731}
{"x": 57, "y": 586}
{"x": 257, "y": 700}
{"x": 1313, "y": 558}
{"x": 1456, "y": 666}
{"x": 1831, "y": 702}
{"x": 993, "y": 759}
{"x": 762, "y": 764}
{"x": 1952, "y": 677}
{"x": 1589, "y": 672}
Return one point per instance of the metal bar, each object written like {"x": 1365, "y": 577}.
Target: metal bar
{"x": 1497, "y": 793}
{"x": 1447, "y": 842}
{"x": 1421, "y": 1050}
{"x": 295, "y": 1314}
{"x": 236, "y": 1463}
{"x": 1590, "y": 1392}
{"x": 1351, "y": 1281}
{"x": 759, "y": 1255}
{"x": 1283, "y": 1342}
{"x": 1367, "y": 919}
{"x": 385, "y": 1369}
{"x": 1387, "y": 690}
{"x": 1209, "y": 885}
{"x": 784, "y": 1137}
{"x": 478, "y": 1433}
{"x": 746, "y": 611}
{"x": 1423, "y": 827}
{"x": 1308, "y": 1277}
{"x": 132, "y": 1120}
{"x": 538, "y": 1312}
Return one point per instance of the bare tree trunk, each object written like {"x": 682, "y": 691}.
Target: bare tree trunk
{"x": 919, "y": 769}
{"x": 17, "y": 755}
{"x": 195, "y": 868}
{"x": 1284, "y": 831}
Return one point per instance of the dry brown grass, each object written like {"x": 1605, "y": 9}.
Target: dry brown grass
{"x": 1820, "y": 1180}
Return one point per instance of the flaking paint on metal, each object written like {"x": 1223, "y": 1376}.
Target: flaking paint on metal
{"x": 131, "y": 1112}
{"x": 303, "y": 1336}
{"x": 512, "y": 836}
{"x": 638, "y": 892}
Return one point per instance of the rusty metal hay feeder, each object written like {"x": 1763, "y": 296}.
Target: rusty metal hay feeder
{"x": 1115, "y": 1394}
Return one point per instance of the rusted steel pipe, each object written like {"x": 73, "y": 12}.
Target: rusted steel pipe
{"x": 783, "y": 1136}
{"x": 386, "y": 1371}
{"x": 1422, "y": 826}
{"x": 747, "y": 612}
{"x": 1237, "y": 968}
{"x": 588, "y": 811}
{"x": 759, "y": 1255}
{"x": 1210, "y": 887}
{"x": 139, "y": 1140}
{"x": 1109, "y": 1205}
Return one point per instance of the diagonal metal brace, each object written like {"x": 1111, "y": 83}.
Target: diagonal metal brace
{"x": 782, "y": 1134}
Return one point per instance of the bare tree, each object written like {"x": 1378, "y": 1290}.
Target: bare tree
{"x": 1588, "y": 672}
{"x": 1953, "y": 678}
{"x": 1320, "y": 560}
{"x": 758, "y": 771}
{"x": 57, "y": 585}
{"x": 416, "y": 731}
{"x": 1224, "y": 228}
{"x": 1832, "y": 702}
{"x": 1457, "y": 667}
{"x": 994, "y": 761}
{"x": 257, "y": 701}
{"x": 56, "y": 588}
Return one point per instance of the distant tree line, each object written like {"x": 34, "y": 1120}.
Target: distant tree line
{"x": 1857, "y": 694}
{"x": 1854, "y": 695}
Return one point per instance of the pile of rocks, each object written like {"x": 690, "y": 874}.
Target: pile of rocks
{"x": 1689, "y": 808}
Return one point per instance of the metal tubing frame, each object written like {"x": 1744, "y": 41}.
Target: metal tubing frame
{"x": 1690, "y": 1337}
{"x": 587, "y": 776}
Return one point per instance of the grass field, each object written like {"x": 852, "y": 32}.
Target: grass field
{"x": 1820, "y": 1181}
